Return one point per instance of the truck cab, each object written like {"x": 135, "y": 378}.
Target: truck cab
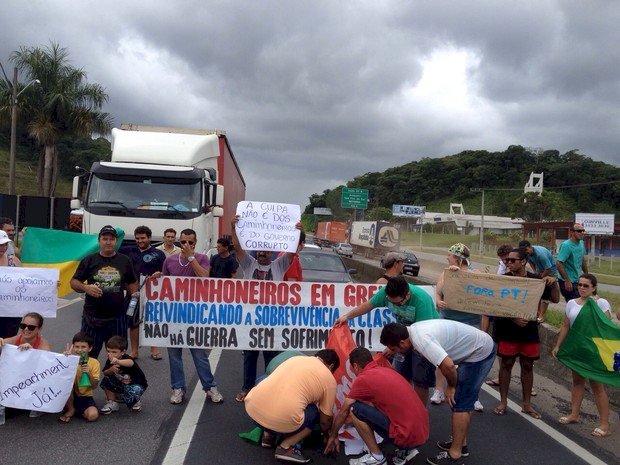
{"x": 158, "y": 177}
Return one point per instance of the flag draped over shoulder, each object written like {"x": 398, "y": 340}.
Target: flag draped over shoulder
{"x": 52, "y": 248}
{"x": 592, "y": 346}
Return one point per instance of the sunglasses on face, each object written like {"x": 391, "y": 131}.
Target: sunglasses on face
{"x": 187, "y": 242}
{"x": 512, "y": 260}
{"x": 584, "y": 285}
{"x": 30, "y": 327}
{"x": 579, "y": 230}
{"x": 402, "y": 301}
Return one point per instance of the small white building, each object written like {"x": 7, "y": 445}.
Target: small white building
{"x": 471, "y": 223}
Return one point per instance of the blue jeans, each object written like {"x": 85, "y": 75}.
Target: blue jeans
{"x": 201, "y": 362}
{"x": 131, "y": 392}
{"x": 470, "y": 376}
{"x": 250, "y": 361}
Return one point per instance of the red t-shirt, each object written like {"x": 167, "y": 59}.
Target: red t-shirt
{"x": 294, "y": 271}
{"x": 393, "y": 396}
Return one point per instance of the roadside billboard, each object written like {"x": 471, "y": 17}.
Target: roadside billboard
{"x": 596, "y": 224}
{"x": 408, "y": 211}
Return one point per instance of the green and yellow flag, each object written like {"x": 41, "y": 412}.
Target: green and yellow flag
{"x": 592, "y": 346}
{"x": 52, "y": 248}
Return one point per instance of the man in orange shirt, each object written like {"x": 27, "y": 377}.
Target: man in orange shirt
{"x": 291, "y": 399}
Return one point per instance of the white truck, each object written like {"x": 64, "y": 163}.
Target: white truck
{"x": 162, "y": 178}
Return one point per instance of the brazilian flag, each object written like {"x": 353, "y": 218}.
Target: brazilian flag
{"x": 52, "y": 248}
{"x": 592, "y": 346}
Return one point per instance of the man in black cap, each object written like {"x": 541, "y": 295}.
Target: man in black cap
{"x": 104, "y": 277}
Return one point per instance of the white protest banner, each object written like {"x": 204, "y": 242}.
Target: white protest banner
{"x": 36, "y": 379}
{"x": 24, "y": 290}
{"x": 491, "y": 294}
{"x": 251, "y": 314}
{"x": 268, "y": 226}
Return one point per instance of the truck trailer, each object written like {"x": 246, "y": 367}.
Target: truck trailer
{"x": 329, "y": 233}
{"x": 162, "y": 178}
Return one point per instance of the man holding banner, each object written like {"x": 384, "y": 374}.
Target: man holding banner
{"x": 263, "y": 268}
{"x": 518, "y": 337}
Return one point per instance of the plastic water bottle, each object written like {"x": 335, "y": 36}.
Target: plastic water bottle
{"x": 131, "y": 308}
{"x": 2, "y": 415}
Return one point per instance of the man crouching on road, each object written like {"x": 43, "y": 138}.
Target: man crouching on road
{"x": 381, "y": 401}
{"x": 464, "y": 355}
{"x": 291, "y": 399}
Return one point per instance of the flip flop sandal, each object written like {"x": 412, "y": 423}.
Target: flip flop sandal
{"x": 241, "y": 396}
{"x": 499, "y": 411}
{"x": 156, "y": 356}
{"x": 600, "y": 433}
{"x": 491, "y": 382}
{"x": 64, "y": 418}
{"x": 566, "y": 421}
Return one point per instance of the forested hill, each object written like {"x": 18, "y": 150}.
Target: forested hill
{"x": 435, "y": 182}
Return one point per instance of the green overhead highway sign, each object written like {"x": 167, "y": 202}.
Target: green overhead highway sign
{"x": 354, "y": 198}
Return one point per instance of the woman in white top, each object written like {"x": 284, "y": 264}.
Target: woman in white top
{"x": 587, "y": 288}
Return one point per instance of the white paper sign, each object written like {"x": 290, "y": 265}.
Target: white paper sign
{"x": 36, "y": 379}
{"x": 268, "y": 226}
{"x": 24, "y": 290}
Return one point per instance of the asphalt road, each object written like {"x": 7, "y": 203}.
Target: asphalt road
{"x": 199, "y": 432}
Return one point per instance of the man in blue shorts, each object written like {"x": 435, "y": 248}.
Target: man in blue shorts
{"x": 464, "y": 355}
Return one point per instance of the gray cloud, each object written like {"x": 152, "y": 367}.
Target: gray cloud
{"x": 313, "y": 94}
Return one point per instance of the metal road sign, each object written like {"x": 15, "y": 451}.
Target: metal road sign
{"x": 354, "y": 198}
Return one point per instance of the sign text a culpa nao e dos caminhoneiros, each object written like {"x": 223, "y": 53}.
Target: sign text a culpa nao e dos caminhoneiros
{"x": 252, "y": 314}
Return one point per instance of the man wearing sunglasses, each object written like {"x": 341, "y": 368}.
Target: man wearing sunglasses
{"x": 189, "y": 263}
{"x": 517, "y": 337}
{"x": 409, "y": 304}
{"x": 571, "y": 262}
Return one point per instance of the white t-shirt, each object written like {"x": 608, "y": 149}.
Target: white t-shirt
{"x": 501, "y": 269}
{"x": 274, "y": 271}
{"x": 436, "y": 339}
{"x": 573, "y": 309}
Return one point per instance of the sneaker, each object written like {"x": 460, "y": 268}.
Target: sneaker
{"x": 136, "y": 407}
{"x": 478, "y": 407}
{"x": 444, "y": 458}
{"x": 177, "y": 396}
{"x": 35, "y": 414}
{"x": 438, "y": 397}
{"x": 215, "y": 395}
{"x": 404, "y": 455}
{"x": 292, "y": 454}
{"x": 109, "y": 407}
{"x": 367, "y": 459}
{"x": 445, "y": 445}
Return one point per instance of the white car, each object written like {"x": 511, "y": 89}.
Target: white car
{"x": 342, "y": 248}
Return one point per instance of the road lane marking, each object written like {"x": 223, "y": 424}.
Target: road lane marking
{"x": 62, "y": 303}
{"x": 550, "y": 431}
{"x": 177, "y": 451}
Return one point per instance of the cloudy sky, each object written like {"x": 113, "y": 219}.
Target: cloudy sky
{"x": 314, "y": 93}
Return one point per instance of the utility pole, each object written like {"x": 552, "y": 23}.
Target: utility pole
{"x": 13, "y": 148}
{"x": 480, "y": 189}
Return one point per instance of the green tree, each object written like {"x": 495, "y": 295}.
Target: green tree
{"x": 64, "y": 104}
{"x": 378, "y": 214}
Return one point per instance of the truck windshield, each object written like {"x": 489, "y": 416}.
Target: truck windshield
{"x": 146, "y": 197}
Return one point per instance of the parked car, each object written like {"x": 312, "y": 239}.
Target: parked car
{"x": 411, "y": 263}
{"x": 343, "y": 248}
{"x": 324, "y": 266}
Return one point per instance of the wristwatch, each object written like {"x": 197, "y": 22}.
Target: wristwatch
{"x": 191, "y": 258}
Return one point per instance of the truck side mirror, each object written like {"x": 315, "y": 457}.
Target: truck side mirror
{"x": 76, "y": 192}
{"x": 217, "y": 212}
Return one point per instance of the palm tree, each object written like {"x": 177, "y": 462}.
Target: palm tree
{"x": 64, "y": 104}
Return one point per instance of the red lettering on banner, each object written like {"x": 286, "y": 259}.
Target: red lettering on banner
{"x": 254, "y": 293}
{"x": 201, "y": 292}
{"x": 166, "y": 292}
{"x": 268, "y": 295}
{"x": 150, "y": 293}
{"x": 181, "y": 286}
{"x": 295, "y": 297}
{"x": 315, "y": 294}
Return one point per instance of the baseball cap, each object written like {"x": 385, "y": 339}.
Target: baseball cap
{"x": 108, "y": 229}
{"x": 391, "y": 258}
{"x": 4, "y": 238}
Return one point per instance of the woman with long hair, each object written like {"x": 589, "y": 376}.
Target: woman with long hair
{"x": 587, "y": 289}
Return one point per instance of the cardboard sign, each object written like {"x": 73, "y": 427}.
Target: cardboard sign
{"x": 24, "y": 290}
{"x": 36, "y": 379}
{"x": 244, "y": 314}
{"x": 490, "y": 294}
{"x": 268, "y": 226}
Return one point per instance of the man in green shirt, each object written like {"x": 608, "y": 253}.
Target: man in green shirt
{"x": 409, "y": 304}
{"x": 571, "y": 262}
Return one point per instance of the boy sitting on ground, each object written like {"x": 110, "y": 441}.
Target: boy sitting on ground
{"x": 81, "y": 399}
{"x": 122, "y": 377}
